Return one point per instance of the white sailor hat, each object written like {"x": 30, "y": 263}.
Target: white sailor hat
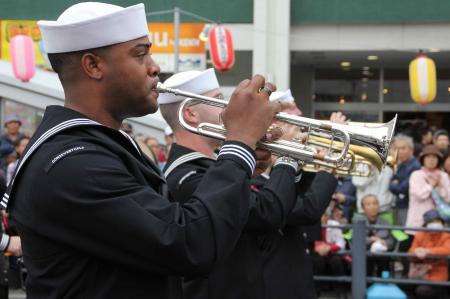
{"x": 197, "y": 82}
{"x": 168, "y": 131}
{"x": 89, "y": 25}
{"x": 282, "y": 96}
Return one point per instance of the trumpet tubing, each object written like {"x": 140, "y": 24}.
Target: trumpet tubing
{"x": 370, "y": 142}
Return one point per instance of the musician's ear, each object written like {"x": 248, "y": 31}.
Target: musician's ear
{"x": 190, "y": 116}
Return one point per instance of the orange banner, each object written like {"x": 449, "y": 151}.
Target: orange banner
{"x": 192, "y": 49}
{"x": 162, "y": 37}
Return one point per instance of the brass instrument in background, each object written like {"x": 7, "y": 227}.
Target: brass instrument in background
{"x": 355, "y": 166}
{"x": 392, "y": 160}
{"x": 372, "y": 143}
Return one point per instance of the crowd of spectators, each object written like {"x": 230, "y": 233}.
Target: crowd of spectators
{"x": 405, "y": 193}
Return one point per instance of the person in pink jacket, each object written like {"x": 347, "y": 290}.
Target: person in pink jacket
{"x": 422, "y": 182}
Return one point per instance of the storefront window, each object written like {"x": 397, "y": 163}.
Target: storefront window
{"x": 339, "y": 85}
{"x": 396, "y": 85}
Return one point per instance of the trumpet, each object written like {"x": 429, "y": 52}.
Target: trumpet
{"x": 376, "y": 138}
{"x": 355, "y": 164}
{"x": 358, "y": 166}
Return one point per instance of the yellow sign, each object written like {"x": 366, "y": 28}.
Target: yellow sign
{"x": 192, "y": 49}
{"x": 11, "y": 28}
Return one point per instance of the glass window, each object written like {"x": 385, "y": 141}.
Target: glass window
{"x": 396, "y": 85}
{"x": 30, "y": 117}
{"x": 340, "y": 85}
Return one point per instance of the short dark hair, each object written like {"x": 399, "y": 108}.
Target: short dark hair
{"x": 170, "y": 114}
{"x": 439, "y": 133}
{"x": 420, "y": 132}
{"x": 60, "y": 62}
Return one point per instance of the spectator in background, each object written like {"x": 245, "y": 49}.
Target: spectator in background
{"x": 446, "y": 166}
{"x": 422, "y": 137}
{"x": 9, "y": 138}
{"x": 20, "y": 147}
{"x": 139, "y": 139}
{"x": 153, "y": 144}
{"x": 377, "y": 240}
{"x": 9, "y": 244}
{"x": 430, "y": 243}
{"x": 345, "y": 195}
{"x": 399, "y": 185}
{"x": 12, "y": 125}
{"x": 325, "y": 259}
{"x": 441, "y": 140}
{"x": 376, "y": 184}
{"x": 127, "y": 128}
{"x": 422, "y": 182}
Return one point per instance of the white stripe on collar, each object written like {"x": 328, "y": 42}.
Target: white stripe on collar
{"x": 131, "y": 140}
{"x": 184, "y": 159}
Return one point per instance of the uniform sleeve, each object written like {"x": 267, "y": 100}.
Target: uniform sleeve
{"x": 97, "y": 206}
{"x": 270, "y": 207}
{"x": 310, "y": 205}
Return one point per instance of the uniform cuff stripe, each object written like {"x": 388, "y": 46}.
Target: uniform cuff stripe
{"x": 4, "y": 242}
{"x": 287, "y": 161}
{"x": 294, "y": 165}
{"x": 238, "y": 151}
{"x": 242, "y": 150}
{"x": 298, "y": 177}
{"x": 224, "y": 153}
{"x": 248, "y": 159}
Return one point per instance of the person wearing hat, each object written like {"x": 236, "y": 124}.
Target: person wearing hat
{"x": 89, "y": 207}
{"x": 430, "y": 243}
{"x": 12, "y": 126}
{"x": 9, "y": 139}
{"x": 240, "y": 275}
{"x": 288, "y": 268}
{"x": 422, "y": 182}
{"x": 441, "y": 140}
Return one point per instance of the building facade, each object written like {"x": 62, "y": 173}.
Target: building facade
{"x": 344, "y": 55}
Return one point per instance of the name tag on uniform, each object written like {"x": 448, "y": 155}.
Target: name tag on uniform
{"x": 67, "y": 152}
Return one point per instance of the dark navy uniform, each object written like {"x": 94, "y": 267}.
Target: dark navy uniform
{"x": 93, "y": 222}
{"x": 239, "y": 275}
{"x": 288, "y": 269}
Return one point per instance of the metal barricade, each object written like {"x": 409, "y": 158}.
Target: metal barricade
{"x": 359, "y": 253}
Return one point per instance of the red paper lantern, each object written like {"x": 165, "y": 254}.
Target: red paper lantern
{"x": 221, "y": 48}
{"x": 22, "y": 52}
